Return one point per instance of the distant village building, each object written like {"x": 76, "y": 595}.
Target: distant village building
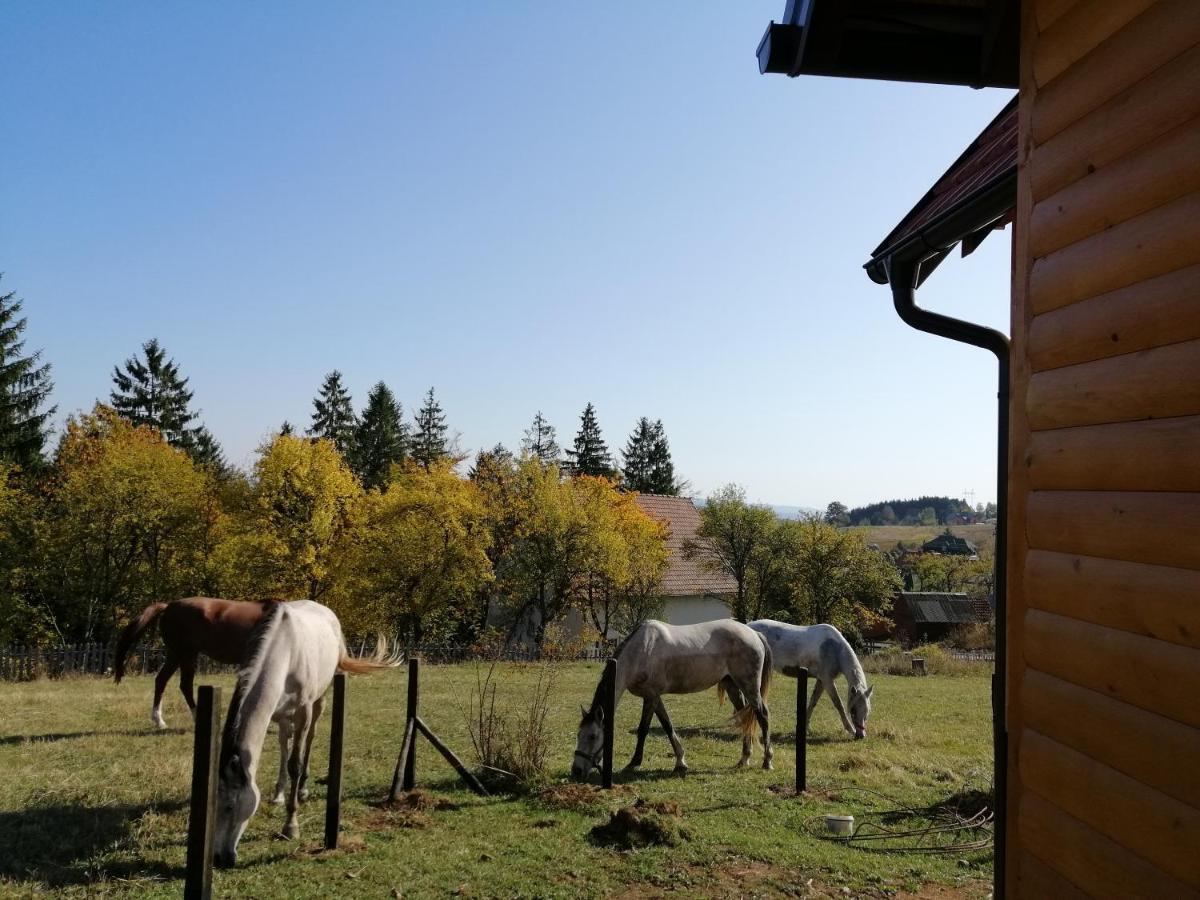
{"x": 924, "y": 616}
{"x": 950, "y": 545}
{"x": 693, "y": 591}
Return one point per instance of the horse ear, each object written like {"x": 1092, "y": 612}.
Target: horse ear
{"x": 599, "y": 713}
{"x": 869, "y": 692}
{"x": 583, "y": 710}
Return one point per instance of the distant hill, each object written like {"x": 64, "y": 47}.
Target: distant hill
{"x": 793, "y": 512}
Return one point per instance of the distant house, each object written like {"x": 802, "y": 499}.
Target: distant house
{"x": 950, "y": 545}
{"x": 692, "y": 591}
{"x": 923, "y": 616}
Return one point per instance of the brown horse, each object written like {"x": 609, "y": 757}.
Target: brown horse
{"x": 220, "y": 629}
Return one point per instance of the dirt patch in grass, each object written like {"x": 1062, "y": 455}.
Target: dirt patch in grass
{"x": 348, "y": 844}
{"x": 577, "y": 796}
{"x": 641, "y": 825}
{"x": 418, "y": 801}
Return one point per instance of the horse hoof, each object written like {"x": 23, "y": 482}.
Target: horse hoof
{"x": 276, "y": 800}
{"x": 291, "y": 831}
{"x": 768, "y": 766}
{"x": 681, "y": 770}
{"x": 304, "y": 795}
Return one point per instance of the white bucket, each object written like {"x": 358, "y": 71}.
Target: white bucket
{"x": 840, "y": 824}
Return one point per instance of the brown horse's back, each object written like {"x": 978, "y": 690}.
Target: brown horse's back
{"x": 220, "y": 629}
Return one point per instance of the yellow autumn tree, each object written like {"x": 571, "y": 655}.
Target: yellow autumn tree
{"x": 301, "y": 502}
{"x": 123, "y": 523}
{"x": 418, "y": 559}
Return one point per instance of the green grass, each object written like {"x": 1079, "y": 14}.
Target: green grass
{"x": 93, "y": 802}
{"x": 888, "y": 536}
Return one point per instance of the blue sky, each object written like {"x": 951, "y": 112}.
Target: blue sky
{"x": 528, "y": 206}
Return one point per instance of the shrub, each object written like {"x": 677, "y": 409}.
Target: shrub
{"x": 512, "y": 741}
{"x": 938, "y": 661}
{"x": 974, "y": 636}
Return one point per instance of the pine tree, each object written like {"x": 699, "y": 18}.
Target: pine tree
{"x": 635, "y": 473}
{"x": 24, "y": 386}
{"x": 152, "y": 393}
{"x": 539, "y": 440}
{"x": 429, "y": 443}
{"x": 204, "y": 449}
{"x": 490, "y": 464}
{"x": 287, "y": 429}
{"x": 661, "y": 476}
{"x": 333, "y": 414}
{"x": 590, "y": 456}
{"x": 380, "y": 439}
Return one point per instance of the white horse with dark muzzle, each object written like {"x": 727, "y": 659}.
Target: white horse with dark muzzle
{"x": 826, "y": 654}
{"x": 294, "y": 652}
{"x": 658, "y": 659}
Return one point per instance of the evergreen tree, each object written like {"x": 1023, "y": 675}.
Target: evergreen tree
{"x": 635, "y": 473}
{"x": 489, "y": 464}
{"x": 539, "y": 440}
{"x": 333, "y": 414}
{"x": 380, "y": 439}
{"x": 24, "y": 386}
{"x": 590, "y": 456}
{"x": 287, "y": 429}
{"x": 204, "y": 449}
{"x": 429, "y": 442}
{"x": 152, "y": 393}
{"x": 661, "y": 475}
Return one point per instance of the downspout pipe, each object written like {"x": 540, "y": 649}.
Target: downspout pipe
{"x": 900, "y": 267}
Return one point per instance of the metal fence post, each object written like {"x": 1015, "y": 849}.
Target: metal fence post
{"x": 201, "y": 822}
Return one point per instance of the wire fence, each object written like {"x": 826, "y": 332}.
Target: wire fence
{"x": 18, "y": 663}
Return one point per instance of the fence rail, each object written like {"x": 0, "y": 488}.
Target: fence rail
{"x": 28, "y": 663}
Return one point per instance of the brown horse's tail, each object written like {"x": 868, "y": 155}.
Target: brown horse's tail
{"x": 747, "y": 722}
{"x": 369, "y": 665}
{"x": 131, "y": 633}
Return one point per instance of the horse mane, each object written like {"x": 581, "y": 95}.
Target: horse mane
{"x": 853, "y": 668}
{"x": 251, "y": 665}
{"x": 597, "y": 698}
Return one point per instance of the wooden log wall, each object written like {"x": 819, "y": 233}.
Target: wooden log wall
{"x": 1104, "y": 630}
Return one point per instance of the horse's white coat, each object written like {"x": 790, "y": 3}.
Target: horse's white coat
{"x": 826, "y": 654}
{"x": 658, "y": 659}
{"x": 285, "y": 681}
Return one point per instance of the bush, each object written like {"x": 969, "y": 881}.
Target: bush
{"x": 512, "y": 741}
{"x": 975, "y": 636}
{"x": 938, "y": 661}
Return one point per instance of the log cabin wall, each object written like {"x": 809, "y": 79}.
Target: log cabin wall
{"x": 1104, "y": 570}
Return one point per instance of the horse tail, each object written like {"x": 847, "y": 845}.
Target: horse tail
{"x": 747, "y": 720}
{"x": 721, "y": 692}
{"x": 382, "y": 658}
{"x": 768, "y": 665}
{"x": 130, "y": 634}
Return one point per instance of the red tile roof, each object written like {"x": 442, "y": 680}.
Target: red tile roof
{"x": 685, "y": 577}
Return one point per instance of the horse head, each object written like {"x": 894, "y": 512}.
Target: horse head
{"x": 860, "y": 709}
{"x": 589, "y": 744}
{"x": 237, "y": 800}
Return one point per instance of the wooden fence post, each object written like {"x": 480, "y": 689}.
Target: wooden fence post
{"x": 610, "y": 713}
{"x": 333, "y": 790}
{"x": 206, "y": 750}
{"x": 410, "y": 764}
{"x": 801, "y": 731}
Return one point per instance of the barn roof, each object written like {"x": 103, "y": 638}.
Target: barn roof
{"x": 939, "y": 608}
{"x": 685, "y": 577}
{"x": 950, "y": 543}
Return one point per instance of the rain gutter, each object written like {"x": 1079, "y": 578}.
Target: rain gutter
{"x": 900, "y": 266}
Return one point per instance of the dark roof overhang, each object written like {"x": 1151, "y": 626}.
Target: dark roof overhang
{"x": 965, "y": 42}
{"x": 976, "y": 195}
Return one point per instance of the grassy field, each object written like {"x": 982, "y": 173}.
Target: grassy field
{"x": 887, "y": 536}
{"x": 93, "y": 802}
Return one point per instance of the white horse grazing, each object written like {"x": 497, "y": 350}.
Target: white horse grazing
{"x": 826, "y": 654}
{"x": 293, "y": 654}
{"x": 658, "y": 659}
